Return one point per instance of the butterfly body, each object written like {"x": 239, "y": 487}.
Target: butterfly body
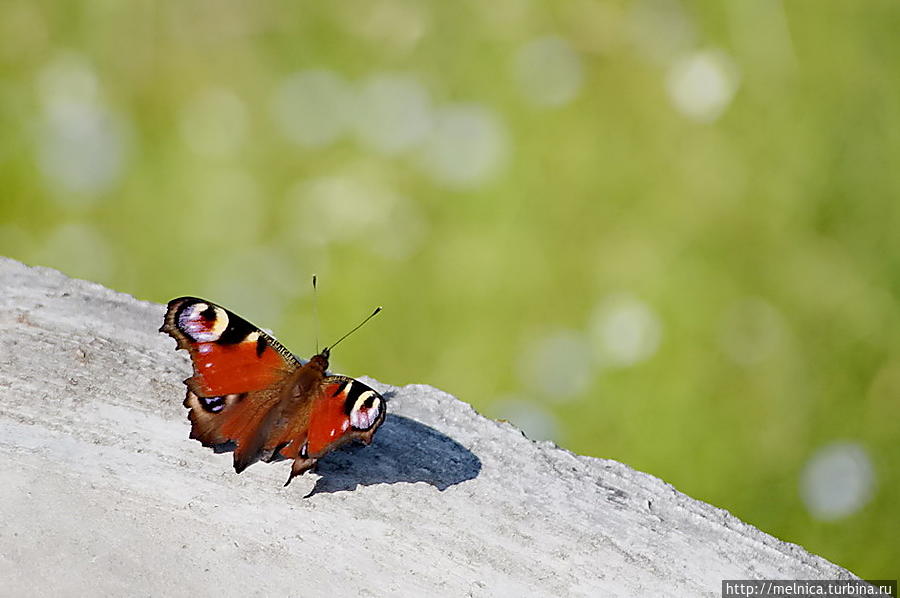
{"x": 249, "y": 390}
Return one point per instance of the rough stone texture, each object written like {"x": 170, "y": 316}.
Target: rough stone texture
{"x": 102, "y": 492}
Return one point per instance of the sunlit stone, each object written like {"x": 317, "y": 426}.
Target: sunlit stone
{"x": 313, "y": 108}
{"x": 549, "y": 71}
{"x": 528, "y": 416}
{"x": 624, "y": 330}
{"x": 837, "y": 481}
{"x": 394, "y": 113}
{"x": 702, "y": 85}
{"x": 467, "y": 146}
{"x": 558, "y": 365}
{"x": 213, "y": 123}
{"x": 751, "y": 331}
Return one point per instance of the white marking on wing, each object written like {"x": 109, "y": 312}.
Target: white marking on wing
{"x": 198, "y": 328}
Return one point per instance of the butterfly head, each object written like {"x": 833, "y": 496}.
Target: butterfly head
{"x": 320, "y": 360}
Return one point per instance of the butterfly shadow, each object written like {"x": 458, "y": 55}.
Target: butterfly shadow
{"x": 403, "y": 450}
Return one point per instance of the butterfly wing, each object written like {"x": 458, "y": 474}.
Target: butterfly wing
{"x": 240, "y": 375}
{"x": 341, "y": 410}
{"x": 248, "y": 389}
{"x": 230, "y": 355}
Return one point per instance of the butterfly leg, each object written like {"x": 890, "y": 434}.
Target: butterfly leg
{"x": 366, "y": 438}
{"x": 300, "y": 466}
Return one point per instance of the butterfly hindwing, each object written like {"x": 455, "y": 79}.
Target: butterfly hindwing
{"x": 206, "y": 418}
{"x": 246, "y": 419}
{"x": 345, "y": 409}
{"x": 342, "y": 410}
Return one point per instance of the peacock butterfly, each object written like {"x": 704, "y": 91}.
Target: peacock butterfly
{"x": 248, "y": 389}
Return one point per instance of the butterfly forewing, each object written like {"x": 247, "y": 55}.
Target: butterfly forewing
{"x": 230, "y": 355}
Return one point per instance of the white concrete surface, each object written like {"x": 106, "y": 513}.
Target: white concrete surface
{"x": 103, "y": 494}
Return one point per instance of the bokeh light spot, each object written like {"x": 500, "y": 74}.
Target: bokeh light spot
{"x": 78, "y": 250}
{"x": 399, "y": 24}
{"x": 528, "y": 416}
{"x": 702, "y": 85}
{"x": 751, "y": 330}
{"x": 466, "y": 147}
{"x": 348, "y": 209}
{"x": 313, "y": 108}
{"x": 557, "y": 365}
{"x": 257, "y": 281}
{"x": 81, "y": 150}
{"x": 68, "y": 77}
{"x": 549, "y": 71}
{"x": 82, "y": 144}
{"x": 624, "y": 330}
{"x": 394, "y": 113}
{"x": 213, "y": 123}
{"x": 660, "y": 29}
{"x": 330, "y": 209}
{"x": 231, "y": 205}
{"x": 837, "y": 481}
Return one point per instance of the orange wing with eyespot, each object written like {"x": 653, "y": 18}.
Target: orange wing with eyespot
{"x": 342, "y": 410}
{"x": 240, "y": 373}
{"x": 230, "y": 355}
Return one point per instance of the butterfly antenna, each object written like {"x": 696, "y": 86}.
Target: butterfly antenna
{"x": 316, "y": 311}
{"x": 358, "y": 326}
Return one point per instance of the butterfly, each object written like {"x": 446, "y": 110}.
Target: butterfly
{"x": 249, "y": 390}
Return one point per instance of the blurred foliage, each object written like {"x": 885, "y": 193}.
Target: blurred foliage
{"x": 680, "y": 215}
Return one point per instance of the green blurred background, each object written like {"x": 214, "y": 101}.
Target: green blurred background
{"x": 656, "y": 231}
